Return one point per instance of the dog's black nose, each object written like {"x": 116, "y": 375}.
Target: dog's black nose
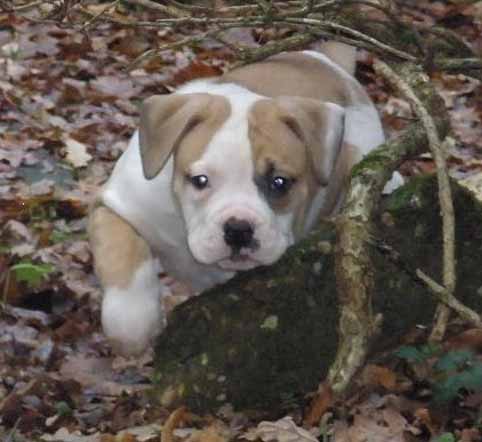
{"x": 238, "y": 233}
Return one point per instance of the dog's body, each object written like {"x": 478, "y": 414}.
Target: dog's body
{"x": 224, "y": 175}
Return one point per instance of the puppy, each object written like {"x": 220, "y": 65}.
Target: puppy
{"x": 223, "y": 176}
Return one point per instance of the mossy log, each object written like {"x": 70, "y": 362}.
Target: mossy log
{"x": 269, "y": 336}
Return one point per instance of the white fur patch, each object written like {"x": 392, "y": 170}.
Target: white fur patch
{"x": 150, "y": 207}
{"x": 131, "y": 317}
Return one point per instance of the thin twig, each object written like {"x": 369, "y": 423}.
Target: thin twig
{"x": 335, "y": 27}
{"x": 100, "y": 14}
{"x": 445, "y": 194}
{"x": 445, "y": 297}
{"x": 287, "y": 44}
{"x": 171, "y": 11}
{"x": 177, "y": 9}
{"x": 21, "y": 8}
{"x": 187, "y": 41}
{"x": 424, "y": 280}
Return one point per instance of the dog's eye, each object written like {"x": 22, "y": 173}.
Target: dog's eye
{"x": 199, "y": 181}
{"x": 280, "y": 185}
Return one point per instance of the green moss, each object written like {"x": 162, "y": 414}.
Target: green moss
{"x": 375, "y": 161}
{"x": 412, "y": 195}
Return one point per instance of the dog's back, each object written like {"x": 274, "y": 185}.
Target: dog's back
{"x": 324, "y": 76}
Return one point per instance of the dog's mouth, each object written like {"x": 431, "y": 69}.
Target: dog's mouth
{"x": 239, "y": 257}
{"x": 238, "y": 261}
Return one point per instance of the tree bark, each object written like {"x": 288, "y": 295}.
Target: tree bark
{"x": 269, "y": 336}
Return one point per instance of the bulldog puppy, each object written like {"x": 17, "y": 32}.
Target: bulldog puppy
{"x": 223, "y": 176}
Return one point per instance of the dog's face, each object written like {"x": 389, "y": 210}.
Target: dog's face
{"x": 246, "y": 169}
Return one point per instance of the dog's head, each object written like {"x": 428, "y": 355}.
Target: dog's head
{"x": 246, "y": 169}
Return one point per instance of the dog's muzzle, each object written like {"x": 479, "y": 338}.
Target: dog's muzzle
{"x": 238, "y": 234}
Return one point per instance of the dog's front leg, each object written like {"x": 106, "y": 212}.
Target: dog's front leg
{"x": 132, "y": 313}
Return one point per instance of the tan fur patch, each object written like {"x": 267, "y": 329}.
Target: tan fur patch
{"x": 294, "y": 74}
{"x": 336, "y": 190}
{"x": 278, "y": 146}
{"x": 195, "y": 141}
{"x": 117, "y": 248}
{"x": 178, "y": 123}
{"x": 278, "y": 151}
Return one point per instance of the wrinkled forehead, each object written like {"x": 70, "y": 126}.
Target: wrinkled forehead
{"x": 228, "y": 147}
{"x": 253, "y": 138}
{"x": 274, "y": 142}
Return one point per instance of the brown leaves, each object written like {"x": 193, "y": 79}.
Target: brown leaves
{"x": 213, "y": 430}
{"x": 67, "y": 109}
{"x": 470, "y": 339}
{"x": 76, "y": 153}
{"x": 320, "y": 404}
{"x": 376, "y": 375}
{"x": 374, "y": 420}
{"x": 283, "y": 430}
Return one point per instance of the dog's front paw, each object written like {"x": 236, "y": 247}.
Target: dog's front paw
{"x": 131, "y": 320}
{"x": 133, "y": 316}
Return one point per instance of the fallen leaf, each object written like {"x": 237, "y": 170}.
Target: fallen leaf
{"x": 64, "y": 435}
{"x": 320, "y": 404}
{"x": 473, "y": 183}
{"x": 375, "y": 375}
{"x": 366, "y": 428}
{"x": 76, "y": 153}
{"x": 424, "y": 416}
{"x": 282, "y": 430}
{"x": 172, "y": 422}
{"x": 145, "y": 433}
{"x": 214, "y": 433}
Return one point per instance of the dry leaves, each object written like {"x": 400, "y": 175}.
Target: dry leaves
{"x": 76, "y": 153}
{"x": 283, "y": 430}
{"x": 67, "y": 109}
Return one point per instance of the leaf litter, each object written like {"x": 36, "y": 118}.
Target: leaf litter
{"x": 67, "y": 109}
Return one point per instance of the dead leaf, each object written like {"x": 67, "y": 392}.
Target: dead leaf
{"x": 376, "y": 375}
{"x": 473, "y": 183}
{"x": 64, "y": 435}
{"x": 42, "y": 188}
{"x": 216, "y": 432}
{"x": 77, "y": 154}
{"x": 145, "y": 433}
{"x": 283, "y": 430}
{"x": 115, "y": 86}
{"x": 97, "y": 374}
{"x": 470, "y": 435}
{"x": 172, "y": 422}
{"x": 424, "y": 416}
{"x": 368, "y": 428}
{"x": 320, "y": 404}
{"x": 194, "y": 71}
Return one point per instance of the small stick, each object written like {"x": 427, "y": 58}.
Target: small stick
{"x": 445, "y": 194}
{"x": 444, "y": 296}
{"x": 100, "y": 14}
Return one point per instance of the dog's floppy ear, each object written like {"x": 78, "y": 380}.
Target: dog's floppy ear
{"x": 320, "y": 126}
{"x": 166, "y": 119}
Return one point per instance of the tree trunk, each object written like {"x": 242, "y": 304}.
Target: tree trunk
{"x": 269, "y": 336}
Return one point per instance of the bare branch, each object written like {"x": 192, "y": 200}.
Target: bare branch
{"x": 100, "y": 14}
{"x": 445, "y": 194}
{"x": 356, "y": 35}
{"x": 171, "y": 11}
{"x": 444, "y": 296}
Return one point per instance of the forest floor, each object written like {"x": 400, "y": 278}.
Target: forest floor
{"x": 67, "y": 109}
